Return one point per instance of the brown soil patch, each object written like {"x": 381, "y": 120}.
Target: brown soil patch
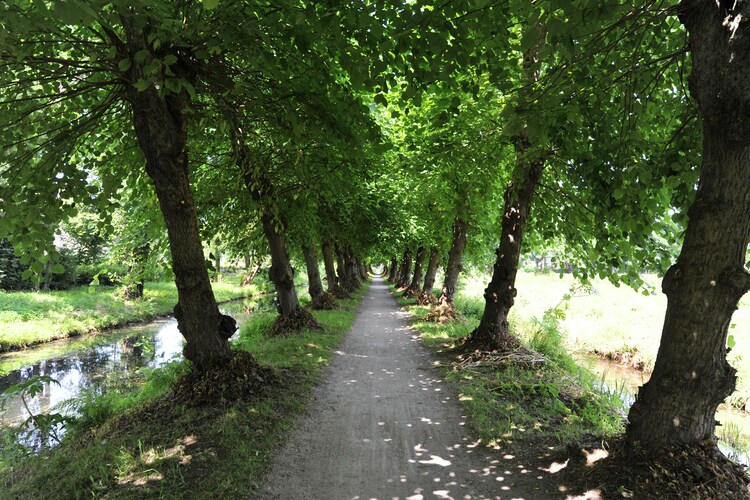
{"x": 630, "y": 358}
{"x": 697, "y": 472}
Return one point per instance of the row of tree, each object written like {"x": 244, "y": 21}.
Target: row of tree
{"x": 402, "y": 133}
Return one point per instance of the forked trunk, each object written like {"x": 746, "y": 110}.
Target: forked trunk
{"x": 328, "y": 263}
{"x": 161, "y": 129}
{"x": 493, "y": 331}
{"x": 454, "y": 266}
{"x": 414, "y": 286}
{"x": 281, "y": 273}
{"x": 691, "y": 375}
{"x": 314, "y": 285}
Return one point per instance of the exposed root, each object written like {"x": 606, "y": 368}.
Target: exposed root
{"x": 237, "y": 380}
{"x": 444, "y": 312}
{"x": 325, "y": 302}
{"x": 426, "y": 299}
{"x": 484, "y": 342}
{"x": 411, "y": 293}
{"x": 302, "y": 319}
{"x": 696, "y": 471}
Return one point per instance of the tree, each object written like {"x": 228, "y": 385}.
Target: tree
{"x": 117, "y": 63}
{"x": 691, "y": 375}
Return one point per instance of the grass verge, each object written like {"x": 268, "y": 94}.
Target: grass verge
{"x": 519, "y": 403}
{"x": 142, "y": 444}
{"x": 29, "y": 318}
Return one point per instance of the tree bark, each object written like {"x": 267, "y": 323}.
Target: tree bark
{"x": 426, "y": 296}
{"x": 691, "y": 375}
{"x": 454, "y": 266}
{"x": 281, "y": 273}
{"x": 343, "y": 279}
{"x": 393, "y": 270}
{"x": 314, "y": 284}
{"x": 161, "y": 129}
{"x": 414, "y": 287}
{"x": 405, "y": 276}
{"x": 493, "y": 331}
{"x": 329, "y": 265}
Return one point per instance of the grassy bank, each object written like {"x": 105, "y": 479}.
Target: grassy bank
{"x": 524, "y": 401}
{"x": 615, "y": 322}
{"x": 142, "y": 444}
{"x": 28, "y": 318}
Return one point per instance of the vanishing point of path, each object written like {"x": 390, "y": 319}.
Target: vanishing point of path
{"x": 383, "y": 425}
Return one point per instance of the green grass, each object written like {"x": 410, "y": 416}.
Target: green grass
{"x": 521, "y": 404}
{"x": 156, "y": 448}
{"x": 613, "y": 320}
{"x": 28, "y": 318}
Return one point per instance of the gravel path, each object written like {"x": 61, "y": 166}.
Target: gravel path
{"x": 383, "y": 425}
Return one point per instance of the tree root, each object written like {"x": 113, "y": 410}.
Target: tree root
{"x": 485, "y": 343}
{"x": 241, "y": 378}
{"x": 444, "y": 312}
{"x": 411, "y": 293}
{"x": 325, "y": 302}
{"x": 340, "y": 292}
{"x": 426, "y": 299}
{"x": 302, "y": 319}
{"x": 691, "y": 471}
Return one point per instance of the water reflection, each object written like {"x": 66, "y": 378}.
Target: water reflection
{"x": 94, "y": 364}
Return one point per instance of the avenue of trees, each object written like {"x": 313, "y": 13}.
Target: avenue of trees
{"x": 413, "y": 134}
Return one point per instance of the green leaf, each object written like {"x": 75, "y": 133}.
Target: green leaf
{"x": 141, "y": 56}
{"x": 731, "y": 342}
{"x": 210, "y": 4}
{"x": 26, "y": 274}
{"x": 142, "y": 85}
{"x": 58, "y": 269}
{"x": 37, "y": 266}
{"x": 124, "y": 65}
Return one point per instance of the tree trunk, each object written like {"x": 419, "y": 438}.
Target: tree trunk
{"x": 405, "y": 276}
{"x": 493, "y": 331}
{"x": 414, "y": 286}
{"x": 161, "y": 129}
{"x": 454, "y": 266}
{"x": 393, "y": 270}
{"x": 352, "y": 273}
{"x": 341, "y": 268}
{"x": 328, "y": 262}
{"x": 426, "y": 296}
{"x": 314, "y": 285}
{"x": 691, "y": 375}
{"x": 281, "y": 273}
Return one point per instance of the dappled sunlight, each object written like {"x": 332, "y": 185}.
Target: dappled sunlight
{"x": 387, "y": 409}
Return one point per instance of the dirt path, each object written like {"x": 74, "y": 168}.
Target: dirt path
{"x": 384, "y": 425}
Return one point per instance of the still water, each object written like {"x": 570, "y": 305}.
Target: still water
{"x": 94, "y": 363}
{"x": 734, "y": 438}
